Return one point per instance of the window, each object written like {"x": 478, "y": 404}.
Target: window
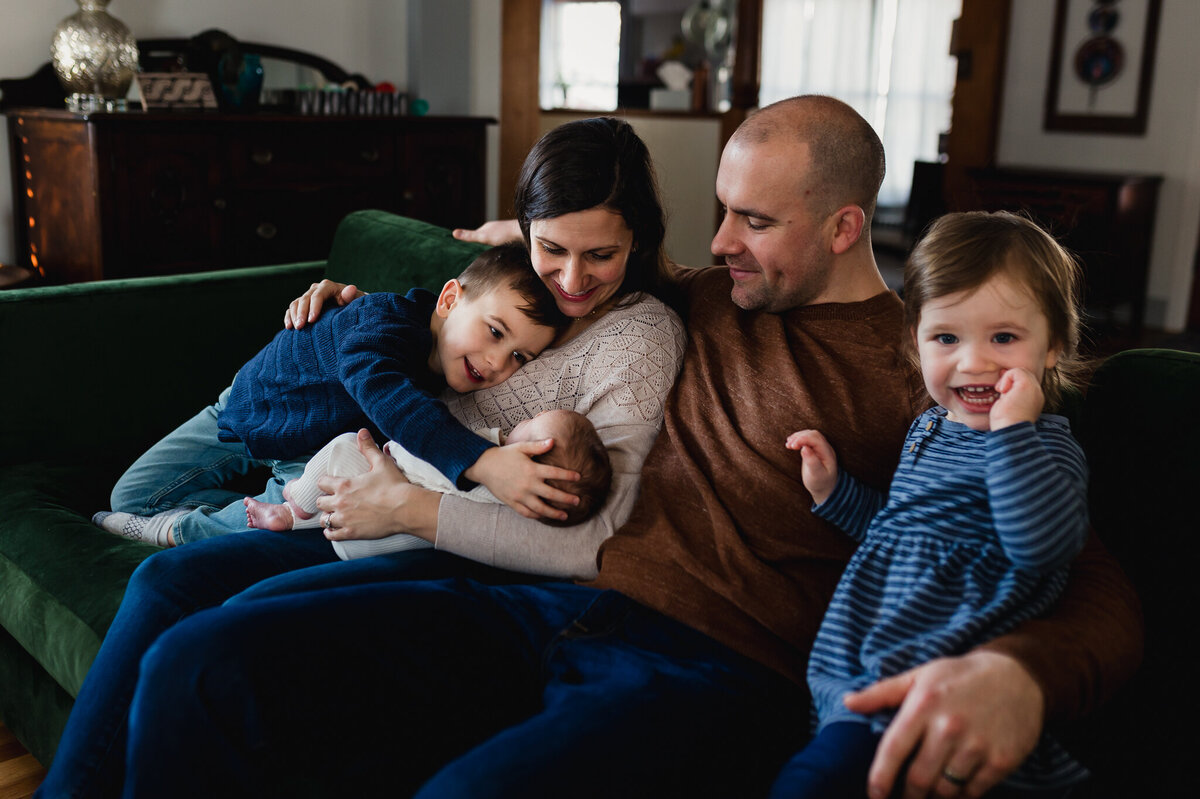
{"x": 581, "y": 45}
{"x": 889, "y": 59}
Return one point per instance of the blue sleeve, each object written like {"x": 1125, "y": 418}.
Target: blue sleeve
{"x": 382, "y": 343}
{"x": 1037, "y": 487}
{"x": 851, "y": 506}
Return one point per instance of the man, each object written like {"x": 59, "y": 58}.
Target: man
{"x": 680, "y": 670}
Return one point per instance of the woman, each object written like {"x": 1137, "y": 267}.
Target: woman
{"x": 581, "y": 237}
{"x": 588, "y": 205}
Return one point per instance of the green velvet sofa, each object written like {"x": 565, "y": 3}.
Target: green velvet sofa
{"x": 94, "y": 373}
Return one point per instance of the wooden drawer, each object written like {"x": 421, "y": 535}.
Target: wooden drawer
{"x": 119, "y": 195}
{"x": 272, "y": 226}
{"x": 163, "y": 203}
{"x": 270, "y": 155}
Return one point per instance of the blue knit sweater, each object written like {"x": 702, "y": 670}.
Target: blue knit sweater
{"x": 362, "y": 365}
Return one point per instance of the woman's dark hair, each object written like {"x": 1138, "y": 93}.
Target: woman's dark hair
{"x": 600, "y": 162}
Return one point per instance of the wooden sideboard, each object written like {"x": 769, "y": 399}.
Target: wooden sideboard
{"x": 1107, "y": 220}
{"x": 131, "y": 194}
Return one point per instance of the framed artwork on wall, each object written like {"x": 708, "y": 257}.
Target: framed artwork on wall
{"x": 1102, "y": 65}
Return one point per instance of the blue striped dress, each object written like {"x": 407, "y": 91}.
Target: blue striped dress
{"x": 975, "y": 537}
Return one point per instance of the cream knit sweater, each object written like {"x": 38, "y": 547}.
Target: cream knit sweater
{"x": 617, "y": 373}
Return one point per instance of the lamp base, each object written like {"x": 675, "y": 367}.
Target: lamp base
{"x": 91, "y": 103}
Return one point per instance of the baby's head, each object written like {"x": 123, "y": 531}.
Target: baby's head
{"x": 492, "y": 319}
{"x": 577, "y": 446}
{"x": 997, "y": 265}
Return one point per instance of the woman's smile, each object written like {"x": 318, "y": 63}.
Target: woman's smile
{"x": 581, "y": 257}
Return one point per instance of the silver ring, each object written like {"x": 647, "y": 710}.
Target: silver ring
{"x": 329, "y": 526}
{"x": 954, "y": 779}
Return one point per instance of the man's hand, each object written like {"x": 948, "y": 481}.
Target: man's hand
{"x": 307, "y": 307}
{"x": 498, "y": 231}
{"x": 975, "y": 717}
{"x": 819, "y": 463}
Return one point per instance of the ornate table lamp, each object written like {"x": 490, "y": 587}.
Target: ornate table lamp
{"x": 95, "y": 56}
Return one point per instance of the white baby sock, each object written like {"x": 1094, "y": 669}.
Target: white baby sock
{"x": 148, "y": 529}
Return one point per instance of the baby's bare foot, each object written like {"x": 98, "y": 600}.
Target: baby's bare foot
{"x": 265, "y": 516}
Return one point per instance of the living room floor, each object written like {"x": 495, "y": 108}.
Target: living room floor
{"x": 20, "y": 774}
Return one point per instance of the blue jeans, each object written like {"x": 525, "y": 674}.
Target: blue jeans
{"x": 833, "y": 765}
{"x": 453, "y": 688}
{"x": 170, "y": 586}
{"x": 189, "y": 468}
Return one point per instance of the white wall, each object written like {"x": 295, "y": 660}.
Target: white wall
{"x": 366, "y": 36}
{"x": 1170, "y": 147}
{"x": 485, "y": 88}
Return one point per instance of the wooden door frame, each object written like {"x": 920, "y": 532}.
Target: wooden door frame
{"x": 981, "y": 45}
{"x": 520, "y": 44}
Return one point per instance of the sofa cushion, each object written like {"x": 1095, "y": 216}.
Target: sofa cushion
{"x": 61, "y": 578}
{"x": 113, "y": 365}
{"x": 378, "y": 251}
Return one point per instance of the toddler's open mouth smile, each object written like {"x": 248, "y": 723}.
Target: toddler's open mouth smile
{"x": 977, "y": 396}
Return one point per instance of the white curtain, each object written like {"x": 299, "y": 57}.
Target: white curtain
{"x": 889, "y": 59}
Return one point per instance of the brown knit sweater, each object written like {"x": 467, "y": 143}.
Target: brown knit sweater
{"x": 722, "y": 537}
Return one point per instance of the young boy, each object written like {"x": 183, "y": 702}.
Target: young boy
{"x": 377, "y": 363}
{"x": 577, "y": 446}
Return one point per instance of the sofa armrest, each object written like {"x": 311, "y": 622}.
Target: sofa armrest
{"x": 1137, "y": 425}
{"x": 109, "y": 367}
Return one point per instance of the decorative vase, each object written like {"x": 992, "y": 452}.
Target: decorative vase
{"x": 94, "y": 53}
{"x": 241, "y": 79}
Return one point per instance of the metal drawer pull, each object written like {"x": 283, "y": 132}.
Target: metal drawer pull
{"x": 266, "y": 230}
{"x": 262, "y": 156}
{"x": 371, "y": 155}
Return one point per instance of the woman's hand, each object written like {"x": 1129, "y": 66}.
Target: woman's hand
{"x": 966, "y": 722}
{"x": 307, "y": 307}
{"x": 377, "y": 503}
{"x": 517, "y": 480}
{"x": 819, "y": 463}
{"x": 498, "y": 231}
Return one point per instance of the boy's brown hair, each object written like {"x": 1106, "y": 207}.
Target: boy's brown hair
{"x": 962, "y": 251}
{"x": 508, "y": 265}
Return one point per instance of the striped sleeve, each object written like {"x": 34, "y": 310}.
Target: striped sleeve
{"x": 1037, "y": 487}
{"x": 851, "y": 506}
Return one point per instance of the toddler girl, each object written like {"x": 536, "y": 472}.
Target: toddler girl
{"x": 987, "y": 507}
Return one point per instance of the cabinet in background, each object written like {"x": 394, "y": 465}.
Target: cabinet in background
{"x": 132, "y": 194}
{"x": 1107, "y": 220}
